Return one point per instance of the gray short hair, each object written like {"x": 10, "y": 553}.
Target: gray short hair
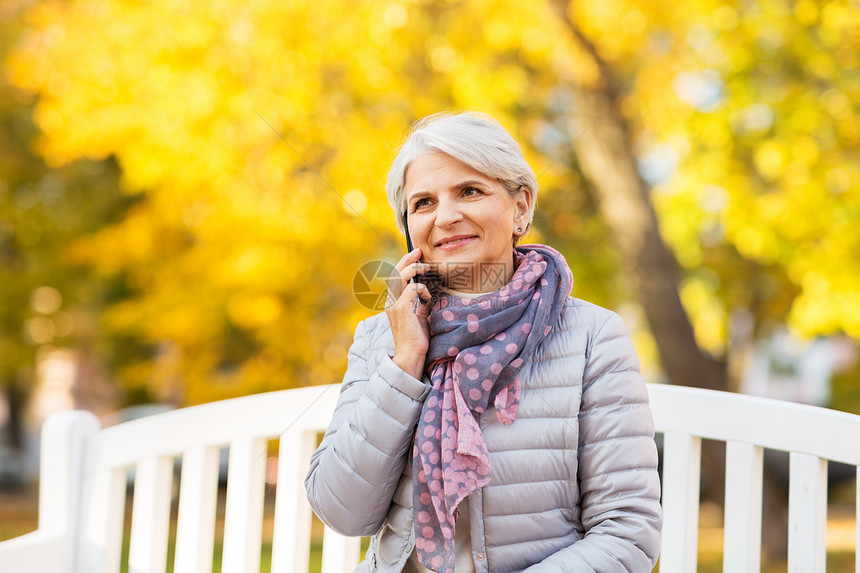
{"x": 476, "y": 139}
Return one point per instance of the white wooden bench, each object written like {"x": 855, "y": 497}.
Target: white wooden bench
{"x": 84, "y": 471}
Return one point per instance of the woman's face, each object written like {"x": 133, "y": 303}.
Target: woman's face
{"x": 463, "y": 221}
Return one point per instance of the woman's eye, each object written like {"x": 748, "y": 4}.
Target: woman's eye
{"x": 421, "y": 203}
{"x": 471, "y": 191}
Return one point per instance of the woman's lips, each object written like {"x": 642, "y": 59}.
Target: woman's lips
{"x": 451, "y": 245}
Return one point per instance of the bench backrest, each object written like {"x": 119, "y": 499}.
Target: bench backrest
{"x": 92, "y": 508}
{"x": 196, "y": 435}
{"x": 748, "y": 425}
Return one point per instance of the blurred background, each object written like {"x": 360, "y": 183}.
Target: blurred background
{"x": 188, "y": 188}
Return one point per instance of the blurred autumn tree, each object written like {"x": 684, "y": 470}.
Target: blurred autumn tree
{"x": 46, "y": 300}
{"x": 255, "y": 137}
{"x": 762, "y": 132}
{"x": 242, "y": 244}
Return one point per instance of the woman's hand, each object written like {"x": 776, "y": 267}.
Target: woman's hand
{"x": 407, "y": 314}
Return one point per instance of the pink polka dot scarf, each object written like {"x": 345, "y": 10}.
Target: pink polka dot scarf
{"x": 477, "y": 348}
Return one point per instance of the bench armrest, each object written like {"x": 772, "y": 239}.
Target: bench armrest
{"x": 36, "y": 551}
{"x": 52, "y": 546}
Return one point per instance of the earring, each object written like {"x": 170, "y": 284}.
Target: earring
{"x": 519, "y": 229}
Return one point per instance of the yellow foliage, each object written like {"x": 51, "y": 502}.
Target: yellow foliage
{"x": 770, "y": 158}
{"x": 709, "y": 317}
{"x": 256, "y": 136}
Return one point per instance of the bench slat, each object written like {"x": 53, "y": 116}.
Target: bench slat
{"x": 743, "y": 506}
{"x": 807, "y": 513}
{"x": 100, "y": 546}
{"x": 171, "y": 433}
{"x": 339, "y": 553}
{"x": 198, "y": 496}
{"x": 682, "y": 456}
{"x": 292, "y": 531}
{"x": 243, "y": 520}
{"x": 150, "y": 517}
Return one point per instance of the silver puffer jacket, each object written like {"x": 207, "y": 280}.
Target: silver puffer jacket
{"x": 574, "y": 479}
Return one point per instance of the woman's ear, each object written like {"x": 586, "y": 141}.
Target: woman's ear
{"x": 522, "y": 208}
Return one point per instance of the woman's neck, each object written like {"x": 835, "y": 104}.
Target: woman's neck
{"x": 463, "y": 294}
{"x": 479, "y": 278}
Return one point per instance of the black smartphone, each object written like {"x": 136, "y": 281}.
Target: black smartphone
{"x": 431, "y": 278}
{"x": 409, "y": 246}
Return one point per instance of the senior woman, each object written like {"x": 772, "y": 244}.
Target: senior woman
{"x": 493, "y": 424}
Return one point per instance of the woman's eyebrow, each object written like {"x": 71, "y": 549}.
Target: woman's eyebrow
{"x": 469, "y": 183}
{"x": 420, "y": 193}
{"x": 424, "y": 192}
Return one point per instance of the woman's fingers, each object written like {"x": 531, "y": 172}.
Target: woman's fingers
{"x": 410, "y": 295}
{"x": 397, "y": 281}
{"x": 422, "y": 294}
{"x": 407, "y": 316}
{"x": 414, "y": 270}
{"x": 404, "y": 271}
{"x": 412, "y": 256}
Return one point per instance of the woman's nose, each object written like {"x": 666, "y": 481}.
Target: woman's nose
{"x": 447, "y": 213}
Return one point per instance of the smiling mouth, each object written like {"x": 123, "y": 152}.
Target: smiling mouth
{"x": 455, "y": 242}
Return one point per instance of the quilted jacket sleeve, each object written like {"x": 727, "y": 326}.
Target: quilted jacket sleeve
{"x": 355, "y": 470}
{"x": 619, "y": 485}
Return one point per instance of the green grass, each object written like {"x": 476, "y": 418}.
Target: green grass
{"x": 837, "y": 562}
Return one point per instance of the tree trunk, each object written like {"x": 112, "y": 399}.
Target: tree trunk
{"x": 14, "y": 434}
{"x": 606, "y": 159}
{"x": 15, "y": 403}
